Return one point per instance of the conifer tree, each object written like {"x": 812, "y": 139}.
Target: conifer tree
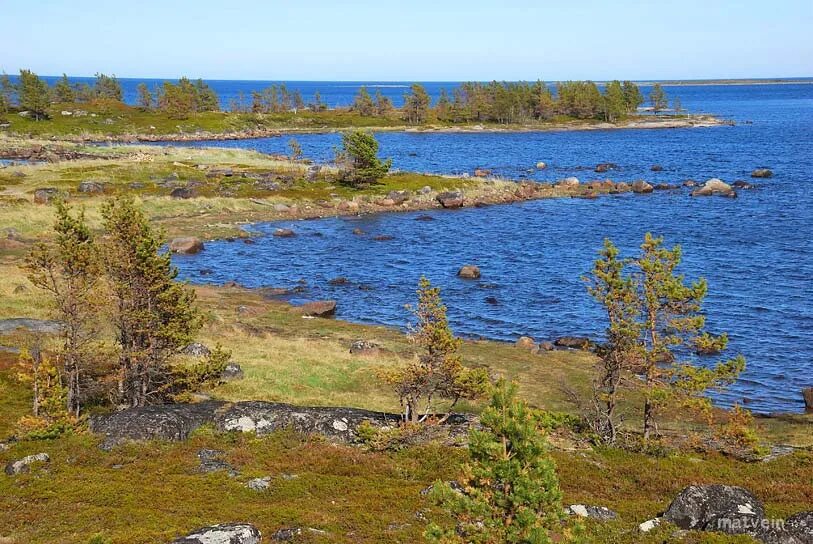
{"x": 510, "y": 490}
{"x": 438, "y": 372}
{"x": 64, "y": 92}
{"x": 363, "y": 102}
{"x": 154, "y": 316}
{"x": 107, "y": 87}
{"x": 615, "y": 105}
{"x": 632, "y": 96}
{"x": 657, "y": 97}
{"x": 360, "y": 153}
{"x": 68, "y": 269}
{"x": 383, "y": 105}
{"x": 416, "y": 105}
{"x": 145, "y": 98}
{"x": 33, "y": 94}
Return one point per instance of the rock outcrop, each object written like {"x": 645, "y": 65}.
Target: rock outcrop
{"x": 601, "y": 513}
{"x": 227, "y": 533}
{"x": 318, "y": 308}
{"x": 41, "y": 326}
{"x": 176, "y": 422}
{"x": 450, "y": 199}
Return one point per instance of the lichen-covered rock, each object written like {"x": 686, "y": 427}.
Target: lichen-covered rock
{"x": 45, "y": 195}
{"x": 227, "y": 533}
{"x": 167, "y": 422}
{"x": 364, "y": 347}
{"x": 801, "y": 526}
{"x": 232, "y": 371}
{"x": 212, "y": 461}
{"x": 183, "y": 193}
{"x": 259, "y": 484}
{"x": 721, "y": 508}
{"x": 24, "y": 464}
{"x": 91, "y": 187}
{"x": 196, "y": 349}
{"x": 601, "y": 513}
{"x": 40, "y": 326}
{"x": 286, "y": 534}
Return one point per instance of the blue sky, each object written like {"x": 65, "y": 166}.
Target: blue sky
{"x": 409, "y": 40}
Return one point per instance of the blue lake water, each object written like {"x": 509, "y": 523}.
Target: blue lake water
{"x": 756, "y": 251}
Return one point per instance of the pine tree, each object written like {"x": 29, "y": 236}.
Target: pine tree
{"x": 443, "y": 108}
{"x": 145, "y": 99}
{"x": 7, "y": 92}
{"x": 383, "y": 105}
{"x": 510, "y": 489}
{"x": 68, "y": 269}
{"x": 107, "y": 88}
{"x": 296, "y": 149}
{"x": 416, "y": 105}
{"x": 33, "y": 94}
{"x": 64, "y": 92}
{"x": 206, "y": 98}
{"x": 632, "y": 96}
{"x": 657, "y": 96}
{"x": 363, "y": 102}
{"x": 154, "y": 316}
{"x": 615, "y": 105}
{"x": 360, "y": 151}
{"x": 438, "y": 372}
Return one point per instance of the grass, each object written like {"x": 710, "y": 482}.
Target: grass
{"x": 353, "y": 495}
{"x": 104, "y": 120}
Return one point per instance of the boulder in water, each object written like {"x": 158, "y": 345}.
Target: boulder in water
{"x": 284, "y": 233}
{"x": 714, "y": 187}
{"x": 568, "y": 183}
{"x": 450, "y": 199}
{"x": 188, "y": 245}
{"x": 318, "y": 308}
{"x": 641, "y": 187}
{"x": 761, "y": 173}
{"x": 469, "y": 272}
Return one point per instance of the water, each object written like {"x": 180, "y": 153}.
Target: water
{"x": 756, "y": 251}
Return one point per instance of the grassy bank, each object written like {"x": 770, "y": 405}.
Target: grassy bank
{"x": 119, "y": 122}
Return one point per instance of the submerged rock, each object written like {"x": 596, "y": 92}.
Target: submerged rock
{"x": 605, "y": 167}
{"x": 761, "y": 173}
{"x": 227, "y": 533}
{"x": 284, "y": 233}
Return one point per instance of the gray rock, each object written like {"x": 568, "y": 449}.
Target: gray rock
{"x": 801, "y": 526}
{"x": 284, "y": 233}
{"x": 212, "y": 461}
{"x": 183, "y": 193}
{"x": 46, "y": 195}
{"x": 196, "y": 349}
{"x": 232, "y": 371}
{"x": 568, "y": 182}
{"x": 93, "y": 187}
{"x": 227, "y": 533}
{"x": 399, "y": 197}
{"x": 41, "y": 326}
{"x": 259, "y": 484}
{"x": 601, "y": 513}
{"x": 721, "y": 508}
{"x": 573, "y": 342}
{"x": 24, "y": 464}
{"x": 364, "y": 347}
{"x": 286, "y": 534}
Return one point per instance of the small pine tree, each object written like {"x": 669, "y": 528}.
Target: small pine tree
{"x": 48, "y": 413}
{"x": 438, "y": 372}
{"x": 416, "y": 105}
{"x": 657, "y": 96}
{"x": 383, "y": 105}
{"x": 68, "y": 269}
{"x": 107, "y": 88}
{"x": 632, "y": 96}
{"x": 510, "y": 489}
{"x": 145, "y": 99}
{"x": 295, "y": 148}
{"x": 154, "y": 316}
{"x": 360, "y": 154}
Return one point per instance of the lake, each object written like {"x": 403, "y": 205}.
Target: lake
{"x": 756, "y": 251}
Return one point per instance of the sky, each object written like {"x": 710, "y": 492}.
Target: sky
{"x": 412, "y": 40}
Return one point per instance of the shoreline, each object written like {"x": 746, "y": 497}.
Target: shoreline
{"x": 639, "y": 122}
